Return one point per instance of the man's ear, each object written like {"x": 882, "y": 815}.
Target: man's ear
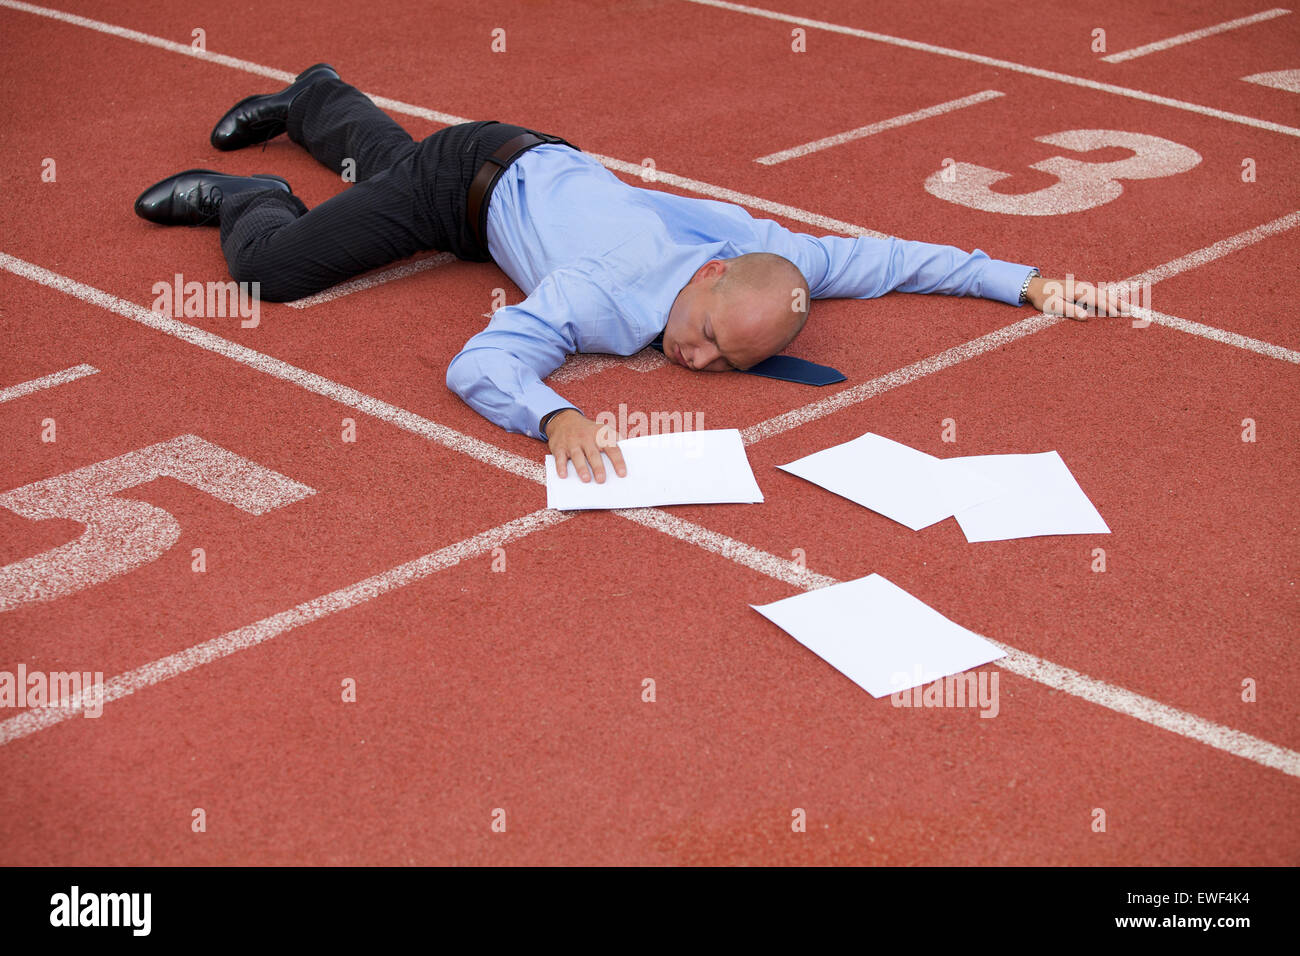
{"x": 712, "y": 269}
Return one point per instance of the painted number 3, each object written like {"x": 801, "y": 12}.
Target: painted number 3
{"x": 1081, "y": 186}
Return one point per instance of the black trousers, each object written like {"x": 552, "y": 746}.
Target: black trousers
{"x": 408, "y": 197}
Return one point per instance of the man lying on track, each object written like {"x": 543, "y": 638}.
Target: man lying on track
{"x": 607, "y": 267}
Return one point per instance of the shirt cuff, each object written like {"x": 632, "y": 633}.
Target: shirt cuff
{"x": 550, "y": 417}
{"x": 1002, "y": 281}
{"x": 539, "y": 400}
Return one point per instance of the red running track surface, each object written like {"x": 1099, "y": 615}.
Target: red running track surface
{"x": 521, "y": 689}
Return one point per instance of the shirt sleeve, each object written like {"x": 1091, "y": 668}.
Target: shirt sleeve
{"x": 866, "y": 267}
{"x": 499, "y": 372}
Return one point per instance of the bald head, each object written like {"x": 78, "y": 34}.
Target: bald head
{"x": 734, "y": 313}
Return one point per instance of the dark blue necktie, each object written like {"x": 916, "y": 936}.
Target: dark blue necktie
{"x": 785, "y": 367}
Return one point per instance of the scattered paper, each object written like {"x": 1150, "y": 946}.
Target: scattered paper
{"x": 676, "y": 468}
{"x": 899, "y": 482}
{"x": 879, "y": 636}
{"x": 1042, "y": 497}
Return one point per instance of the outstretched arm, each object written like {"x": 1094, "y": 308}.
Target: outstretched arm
{"x": 499, "y": 375}
{"x": 866, "y": 267}
{"x": 499, "y": 372}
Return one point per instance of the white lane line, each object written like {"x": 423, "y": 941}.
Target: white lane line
{"x": 411, "y": 422}
{"x": 1288, "y": 80}
{"x": 259, "y": 632}
{"x": 1106, "y": 695}
{"x": 795, "y": 152}
{"x": 1002, "y": 65}
{"x": 47, "y": 381}
{"x": 1218, "y": 335}
{"x": 1151, "y": 711}
{"x": 370, "y": 281}
{"x": 160, "y": 42}
{"x": 782, "y": 569}
{"x": 1218, "y": 250}
{"x": 1182, "y": 38}
{"x": 449, "y": 119}
{"x": 1030, "y": 666}
{"x": 584, "y": 364}
{"x": 408, "y": 109}
{"x": 185, "y": 49}
{"x": 1019, "y": 662}
{"x": 739, "y": 198}
{"x": 1036, "y": 323}
{"x": 635, "y": 169}
{"x": 797, "y": 417}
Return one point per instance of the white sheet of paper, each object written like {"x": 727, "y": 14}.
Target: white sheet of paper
{"x": 899, "y": 482}
{"x": 879, "y": 636}
{"x": 677, "y": 468}
{"x": 1042, "y": 498}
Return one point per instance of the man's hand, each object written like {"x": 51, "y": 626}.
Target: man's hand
{"x": 1077, "y": 300}
{"x": 574, "y": 437}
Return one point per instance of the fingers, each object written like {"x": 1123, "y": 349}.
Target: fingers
{"x": 579, "y": 457}
{"x": 594, "y": 459}
{"x": 1117, "y": 301}
{"x": 1080, "y": 300}
{"x": 1107, "y": 301}
{"x": 585, "y": 448}
{"x": 570, "y": 453}
{"x": 587, "y": 460}
{"x": 607, "y": 440}
{"x": 616, "y": 459}
{"x": 1053, "y": 298}
{"x": 1070, "y": 299}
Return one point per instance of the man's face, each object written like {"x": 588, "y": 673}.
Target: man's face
{"x": 709, "y": 332}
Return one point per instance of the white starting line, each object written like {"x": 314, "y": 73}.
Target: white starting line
{"x": 1201, "y": 34}
{"x": 1000, "y": 64}
{"x": 584, "y": 364}
{"x": 448, "y": 119}
{"x": 46, "y": 381}
{"x": 1062, "y": 678}
{"x": 906, "y": 119}
{"x": 1288, "y": 80}
{"x": 1036, "y": 323}
{"x": 259, "y": 632}
{"x": 371, "y": 280}
{"x": 1027, "y": 665}
{"x": 366, "y": 404}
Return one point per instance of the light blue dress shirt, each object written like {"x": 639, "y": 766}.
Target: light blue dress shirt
{"x": 601, "y": 263}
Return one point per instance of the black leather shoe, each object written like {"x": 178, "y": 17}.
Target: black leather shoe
{"x": 193, "y": 198}
{"x": 255, "y": 119}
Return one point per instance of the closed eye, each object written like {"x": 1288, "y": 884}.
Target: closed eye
{"x": 708, "y": 334}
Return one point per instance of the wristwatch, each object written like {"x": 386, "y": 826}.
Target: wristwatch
{"x": 1024, "y": 287}
{"x": 546, "y": 419}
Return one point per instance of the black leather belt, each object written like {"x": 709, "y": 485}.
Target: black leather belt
{"x": 488, "y": 174}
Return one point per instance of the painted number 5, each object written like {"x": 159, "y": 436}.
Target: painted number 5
{"x": 1082, "y": 185}
{"x": 122, "y": 533}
